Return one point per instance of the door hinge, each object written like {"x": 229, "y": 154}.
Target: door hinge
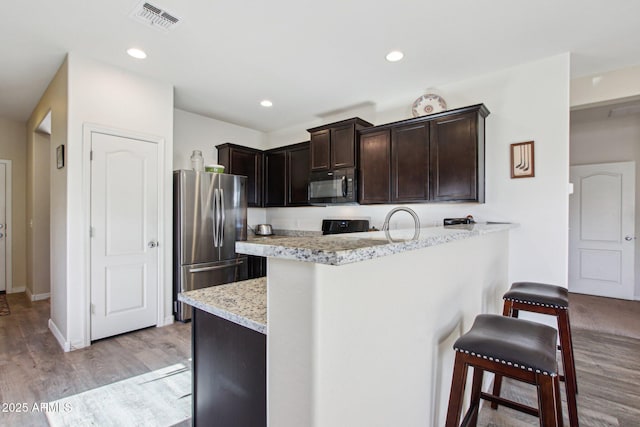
{"x": 91, "y": 232}
{"x": 91, "y": 155}
{"x": 175, "y": 306}
{"x": 93, "y": 308}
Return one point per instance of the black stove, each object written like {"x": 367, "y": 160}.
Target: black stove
{"x": 339, "y": 226}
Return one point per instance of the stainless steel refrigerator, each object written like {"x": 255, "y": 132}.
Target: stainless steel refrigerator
{"x": 209, "y": 216}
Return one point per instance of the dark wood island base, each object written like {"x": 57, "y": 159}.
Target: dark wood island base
{"x": 229, "y": 373}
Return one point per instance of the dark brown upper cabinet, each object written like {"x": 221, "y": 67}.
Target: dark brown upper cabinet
{"x": 275, "y": 177}
{"x": 320, "y": 150}
{"x": 287, "y": 176}
{"x": 375, "y": 160}
{"x": 298, "y": 174}
{"x": 334, "y": 146}
{"x": 433, "y": 158}
{"x": 410, "y": 163}
{"x": 457, "y": 157}
{"x": 239, "y": 160}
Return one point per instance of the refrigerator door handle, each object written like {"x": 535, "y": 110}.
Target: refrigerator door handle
{"x": 215, "y": 267}
{"x": 215, "y": 218}
{"x": 222, "y": 217}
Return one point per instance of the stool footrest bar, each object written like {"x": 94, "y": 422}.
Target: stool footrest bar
{"x": 510, "y": 404}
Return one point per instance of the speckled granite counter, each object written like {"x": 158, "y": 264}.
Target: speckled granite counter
{"x": 244, "y": 303}
{"x": 349, "y": 248}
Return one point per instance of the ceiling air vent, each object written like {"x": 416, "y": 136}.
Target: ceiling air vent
{"x": 154, "y": 16}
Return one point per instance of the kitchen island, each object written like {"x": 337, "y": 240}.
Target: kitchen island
{"x": 361, "y": 326}
{"x": 229, "y": 354}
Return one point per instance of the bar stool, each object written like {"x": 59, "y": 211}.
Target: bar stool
{"x": 515, "y": 348}
{"x": 552, "y": 300}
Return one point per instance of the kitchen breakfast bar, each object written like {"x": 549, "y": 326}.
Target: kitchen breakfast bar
{"x": 358, "y": 328}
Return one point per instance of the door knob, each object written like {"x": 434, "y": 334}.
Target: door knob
{"x": 1, "y": 235}
{"x": 629, "y": 238}
{"x": 153, "y": 244}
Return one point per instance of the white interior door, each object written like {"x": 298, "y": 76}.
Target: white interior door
{"x": 124, "y": 227}
{"x": 601, "y": 230}
{"x": 3, "y": 227}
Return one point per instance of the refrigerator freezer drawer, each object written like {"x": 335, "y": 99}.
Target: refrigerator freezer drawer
{"x": 198, "y": 276}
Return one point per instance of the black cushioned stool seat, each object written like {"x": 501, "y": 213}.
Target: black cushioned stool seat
{"x": 551, "y": 300}
{"x": 538, "y": 294}
{"x": 516, "y": 348}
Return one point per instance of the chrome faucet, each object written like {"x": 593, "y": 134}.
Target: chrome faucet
{"x": 416, "y": 220}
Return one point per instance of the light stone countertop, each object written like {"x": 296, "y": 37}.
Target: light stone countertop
{"x": 340, "y": 249}
{"x": 244, "y": 303}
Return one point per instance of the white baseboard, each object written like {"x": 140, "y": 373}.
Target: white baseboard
{"x": 18, "y": 289}
{"x": 40, "y": 297}
{"x": 36, "y": 297}
{"x": 76, "y": 345}
{"x": 168, "y": 320}
{"x": 66, "y": 345}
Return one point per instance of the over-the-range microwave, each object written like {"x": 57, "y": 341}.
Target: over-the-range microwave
{"x": 333, "y": 187}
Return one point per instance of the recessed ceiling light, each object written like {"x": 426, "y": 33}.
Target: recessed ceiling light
{"x": 266, "y": 103}
{"x": 395, "y": 56}
{"x": 136, "y": 53}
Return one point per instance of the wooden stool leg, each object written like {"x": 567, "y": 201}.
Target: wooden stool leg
{"x": 457, "y": 391}
{"x": 506, "y": 309}
{"x": 497, "y": 381}
{"x": 568, "y": 362}
{"x": 497, "y": 385}
{"x": 476, "y": 389}
{"x": 548, "y": 401}
{"x": 565, "y": 324}
{"x": 556, "y": 387}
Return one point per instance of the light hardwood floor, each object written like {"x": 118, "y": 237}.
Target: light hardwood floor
{"x": 34, "y": 369}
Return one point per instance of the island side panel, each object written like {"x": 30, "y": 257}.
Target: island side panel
{"x": 378, "y": 334}
{"x": 229, "y": 373}
{"x": 290, "y": 352}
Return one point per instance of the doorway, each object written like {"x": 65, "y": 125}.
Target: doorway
{"x": 599, "y": 135}
{"x": 5, "y": 226}
{"x": 124, "y": 229}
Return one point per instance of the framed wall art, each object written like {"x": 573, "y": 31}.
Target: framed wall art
{"x": 522, "y": 160}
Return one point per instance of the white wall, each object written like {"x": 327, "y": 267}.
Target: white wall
{"x": 604, "y": 87}
{"x": 110, "y": 97}
{"x": 596, "y": 138}
{"x": 55, "y": 100}
{"x": 13, "y": 146}
{"x": 196, "y": 132}
{"x": 527, "y": 102}
{"x": 88, "y": 92}
{"x": 40, "y": 218}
